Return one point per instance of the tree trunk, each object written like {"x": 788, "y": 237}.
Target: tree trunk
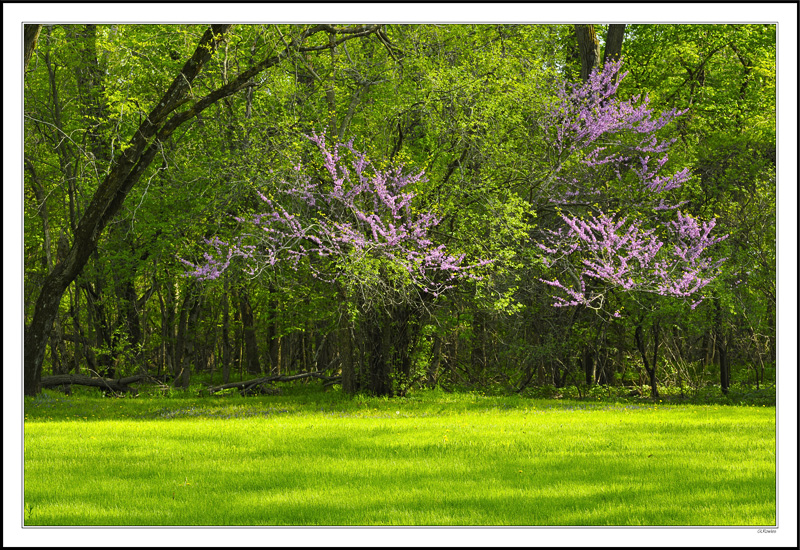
{"x": 721, "y": 344}
{"x": 31, "y": 33}
{"x": 527, "y": 378}
{"x": 180, "y": 340}
{"x": 724, "y": 366}
{"x": 273, "y": 333}
{"x": 98, "y": 319}
{"x": 168, "y": 326}
{"x": 250, "y": 343}
{"x": 351, "y": 377}
{"x": 226, "y": 339}
{"x": 588, "y": 365}
{"x": 191, "y": 344}
{"x": 81, "y": 343}
{"x": 614, "y": 38}
{"x": 588, "y": 49}
{"x": 401, "y": 339}
{"x": 187, "y": 337}
{"x": 128, "y": 313}
{"x": 651, "y": 370}
{"x": 436, "y": 359}
{"x": 89, "y": 74}
{"x": 378, "y": 379}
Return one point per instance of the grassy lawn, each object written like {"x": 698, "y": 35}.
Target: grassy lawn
{"x": 313, "y": 458}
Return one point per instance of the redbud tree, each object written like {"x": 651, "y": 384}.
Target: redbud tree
{"x": 358, "y": 227}
{"x": 622, "y": 229}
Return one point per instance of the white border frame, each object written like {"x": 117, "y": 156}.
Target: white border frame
{"x": 784, "y": 14}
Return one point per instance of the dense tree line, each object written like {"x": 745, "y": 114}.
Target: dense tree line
{"x": 147, "y": 144}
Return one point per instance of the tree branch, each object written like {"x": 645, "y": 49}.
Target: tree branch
{"x": 247, "y": 384}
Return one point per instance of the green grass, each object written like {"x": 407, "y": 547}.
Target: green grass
{"x": 314, "y": 458}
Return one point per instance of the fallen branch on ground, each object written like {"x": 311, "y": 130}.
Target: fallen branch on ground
{"x": 117, "y": 385}
{"x": 248, "y": 384}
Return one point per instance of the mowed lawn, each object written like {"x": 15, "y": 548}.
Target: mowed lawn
{"x": 308, "y": 458}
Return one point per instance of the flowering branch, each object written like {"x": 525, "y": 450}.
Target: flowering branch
{"x": 356, "y": 212}
{"x": 608, "y": 150}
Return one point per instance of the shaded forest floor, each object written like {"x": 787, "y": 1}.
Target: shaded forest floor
{"x": 310, "y": 396}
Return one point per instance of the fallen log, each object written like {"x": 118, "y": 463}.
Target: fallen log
{"x": 247, "y": 385}
{"x": 119, "y": 385}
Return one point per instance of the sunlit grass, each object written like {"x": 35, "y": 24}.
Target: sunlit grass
{"x": 313, "y": 458}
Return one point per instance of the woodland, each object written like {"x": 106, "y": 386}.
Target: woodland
{"x": 389, "y": 207}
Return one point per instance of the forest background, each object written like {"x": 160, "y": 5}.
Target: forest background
{"x": 486, "y": 315}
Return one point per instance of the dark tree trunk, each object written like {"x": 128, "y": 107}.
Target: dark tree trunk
{"x": 273, "y": 334}
{"x": 248, "y": 327}
{"x": 98, "y": 320}
{"x": 721, "y": 344}
{"x": 478, "y": 350}
{"x": 130, "y": 313}
{"x": 180, "y": 339}
{"x": 191, "y": 344}
{"x": 708, "y": 349}
{"x": 351, "y": 375}
{"x": 724, "y": 366}
{"x": 31, "y": 33}
{"x": 527, "y": 378}
{"x": 226, "y": 339}
{"x": 81, "y": 346}
{"x": 129, "y": 321}
{"x": 378, "y": 334}
{"x": 400, "y": 339}
{"x": 560, "y": 374}
{"x": 588, "y": 49}
{"x": 541, "y": 373}
{"x": 167, "y": 326}
{"x": 89, "y": 77}
{"x": 614, "y": 38}
{"x": 600, "y": 368}
{"x": 588, "y": 365}
{"x": 436, "y": 360}
{"x": 640, "y": 343}
{"x": 186, "y": 341}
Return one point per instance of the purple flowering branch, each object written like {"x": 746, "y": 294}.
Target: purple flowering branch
{"x": 355, "y": 212}
{"x": 624, "y": 256}
{"x": 595, "y": 136}
{"x": 217, "y": 262}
